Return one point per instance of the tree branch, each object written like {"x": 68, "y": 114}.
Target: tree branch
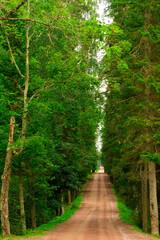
{"x": 45, "y": 87}
{"x": 36, "y": 21}
{"x": 18, "y": 85}
{"x": 38, "y": 91}
{"x": 28, "y": 20}
{"x": 14, "y": 10}
{"x": 36, "y": 39}
{"x": 11, "y": 52}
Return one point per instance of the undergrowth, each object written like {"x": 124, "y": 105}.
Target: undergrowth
{"x": 53, "y": 223}
{"x": 125, "y": 213}
{"x": 128, "y": 216}
{"x": 39, "y": 231}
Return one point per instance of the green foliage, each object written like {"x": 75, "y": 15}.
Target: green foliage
{"x": 131, "y": 135}
{"x": 53, "y": 223}
{"x": 58, "y": 149}
{"x": 126, "y": 215}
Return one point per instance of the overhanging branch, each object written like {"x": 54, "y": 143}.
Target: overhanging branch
{"x": 36, "y": 21}
{"x": 28, "y": 20}
{"x": 14, "y": 10}
{"x": 11, "y": 53}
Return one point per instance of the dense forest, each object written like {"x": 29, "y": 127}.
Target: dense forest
{"x": 49, "y": 107}
{"x": 54, "y": 56}
{"x": 131, "y": 137}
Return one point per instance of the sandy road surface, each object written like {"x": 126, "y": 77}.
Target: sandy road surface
{"x": 97, "y": 218}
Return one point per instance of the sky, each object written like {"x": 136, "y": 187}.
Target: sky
{"x": 106, "y": 20}
{"x": 102, "y": 7}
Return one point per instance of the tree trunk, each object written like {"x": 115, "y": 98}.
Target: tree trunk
{"x": 25, "y": 110}
{"x": 153, "y": 199}
{"x": 33, "y": 214}
{"x": 145, "y": 198}
{"x": 21, "y": 198}
{"x": 62, "y": 208}
{"x": 5, "y": 183}
{"x": 152, "y": 172}
{"x": 57, "y": 212}
{"x": 24, "y": 124}
{"x": 69, "y": 197}
{"x": 33, "y": 204}
{"x": 74, "y": 195}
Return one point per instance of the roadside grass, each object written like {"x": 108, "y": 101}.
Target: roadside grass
{"x": 141, "y": 231}
{"x": 39, "y": 231}
{"x": 127, "y": 215}
{"x": 70, "y": 210}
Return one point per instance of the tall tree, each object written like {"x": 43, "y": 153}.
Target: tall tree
{"x": 5, "y": 182}
{"x": 47, "y": 96}
{"x": 132, "y": 101}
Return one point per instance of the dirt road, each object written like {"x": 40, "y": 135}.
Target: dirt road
{"x": 97, "y": 218}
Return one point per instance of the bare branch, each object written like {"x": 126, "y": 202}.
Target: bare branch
{"x": 36, "y": 21}
{"x": 38, "y": 91}
{"x": 15, "y": 81}
{"x": 14, "y": 10}
{"x": 11, "y": 52}
{"x": 28, "y": 20}
{"x": 50, "y": 39}
{"x": 36, "y": 39}
{"x": 72, "y": 30}
{"x": 45, "y": 87}
{"x": 31, "y": 35}
{"x": 128, "y": 99}
{"x": 136, "y": 49}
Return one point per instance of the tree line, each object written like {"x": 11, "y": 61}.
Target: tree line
{"x": 48, "y": 106}
{"x": 131, "y": 138}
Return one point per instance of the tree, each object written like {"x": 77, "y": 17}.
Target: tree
{"x": 5, "y": 182}
{"x": 132, "y": 100}
{"x": 53, "y": 82}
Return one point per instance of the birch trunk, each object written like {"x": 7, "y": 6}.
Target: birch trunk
{"x": 5, "y": 183}
{"x": 153, "y": 199}
{"x": 62, "y": 208}
{"x": 145, "y": 203}
{"x": 69, "y": 197}
{"x": 25, "y": 109}
{"x": 24, "y": 123}
{"x": 21, "y": 198}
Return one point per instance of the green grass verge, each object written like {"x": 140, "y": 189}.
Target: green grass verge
{"x": 70, "y": 210}
{"x": 133, "y": 227}
{"x": 53, "y": 223}
{"x": 141, "y": 231}
{"x": 127, "y": 215}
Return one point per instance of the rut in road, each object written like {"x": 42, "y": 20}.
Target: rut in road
{"x": 97, "y": 218}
